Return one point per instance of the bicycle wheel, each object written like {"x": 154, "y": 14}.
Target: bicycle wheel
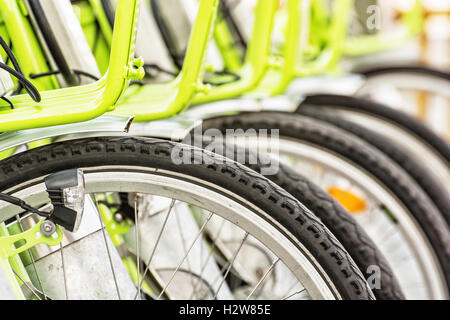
{"x": 308, "y": 261}
{"x": 419, "y": 141}
{"x": 399, "y": 217}
{"x": 416, "y": 170}
{"x": 346, "y": 229}
{"x": 407, "y": 78}
{"x": 415, "y": 90}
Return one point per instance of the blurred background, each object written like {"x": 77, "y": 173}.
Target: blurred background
{"x": 432, "y": 49}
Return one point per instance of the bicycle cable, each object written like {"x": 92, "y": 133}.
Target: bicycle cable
{"x": 22, "y": 204}
{"x": 32, "y": 91}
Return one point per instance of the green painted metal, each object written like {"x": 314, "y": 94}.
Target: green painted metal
{"x": 102, "y": 20}
{"x": 29, "y": 238}
{"x": 225, "y": 42}
{"x": 9, "y": 265}
{"x": 282, "y": 68}
{"x": 329, "y": 37}
{"x": 76, "y": 104}
{"x": 159, "y": 101}
{"x": 413, "y": 22}
{"x": 257, "y": 59}
{"x": 321, "y": 50}
{"x": 16, "y": 27}
{"x": 12, "y": 246}
{"x": 329, "y": 42}
{"x": 96, "y": 36}
{"x": 7, "y": 153}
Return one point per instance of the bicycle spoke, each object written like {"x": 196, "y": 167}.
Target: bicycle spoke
{"x": 294, "y": 294}
{"x": 231, "y": 264}
{"x": 64, "y": 272}
{"x": 183, "y": 242}
{"x": 138, "y": 261}
{"x": 263, "y": 278}
{"x": 107, "y": 248}
{"x": 33, "y": 291}
{"x": 210, "y": 254}
{"x": 156, "y": 244}
{"x": 187, "y": 253}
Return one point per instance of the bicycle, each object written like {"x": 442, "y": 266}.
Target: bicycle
{"x": 230, "y": 90}
{"x": 116, "y": 165}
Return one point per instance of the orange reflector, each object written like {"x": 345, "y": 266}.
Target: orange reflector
{"x": 348, "y": 200}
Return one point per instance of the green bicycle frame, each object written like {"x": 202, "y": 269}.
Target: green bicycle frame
{"x": 336, "y": 43}
{"x": 327, "y": 42}
{"x": 257, "y": 59}
{"x": 159, "y": 101}
{"x": 413, "y": 21}
{"x": 99, "y": 35}
{"x": 75, "y": 104}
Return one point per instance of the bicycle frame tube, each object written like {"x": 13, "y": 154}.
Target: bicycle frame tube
{"x": 102, "y": 20}
{"x": 26, "y": 45}
{"x": 225, "y": 42}
{"x": 280, "y": 74}
{"x": 337, "y": 44}
{"x": 413, "y": 22}
{"x": 281, "y": 70}
{"x": 96, "y": 36}
{"x": 159, "y": 101}
{"x": 77, "y": 104}
{"x": 335, "y": 34}
{"x": 257, "y": 57}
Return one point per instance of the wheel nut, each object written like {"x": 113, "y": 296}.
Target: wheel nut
{"x": 118, "y": 217}
{"x": 48, "y": 228}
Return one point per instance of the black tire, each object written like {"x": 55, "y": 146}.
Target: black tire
{"x": 394, "y": 151}
{"x": 325, "y": 136}
{"x": 398, "y": 118}
{"x": 239, "y": 182}
{"x": 415, "y": 70}
{"x": 352, "y": 236}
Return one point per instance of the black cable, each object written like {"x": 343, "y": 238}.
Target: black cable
{"x": 86, "y": 74}
{"x": 160, "y": 69}
{"x": 18, "y": 89}
{"x": 17, "y": 72}
{"x": 235, "y": 76}
{"x": 10, "y": 54}
{"x": 44, "y": 74}
{"x": 55, "y": 72}
{"x": 8, "y": 101}
{"x": 22, "y": 204}
{"x": 7, "y": 57}
{"x": 225, "y": 13}
{"x": 29, "y": 87}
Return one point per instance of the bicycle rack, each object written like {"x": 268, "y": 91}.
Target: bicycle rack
{"x": 159, "y": 101}
{"x": 63, "y": 39}
{"x": 75, "y": 104}
{"x": 257, "y": 57}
